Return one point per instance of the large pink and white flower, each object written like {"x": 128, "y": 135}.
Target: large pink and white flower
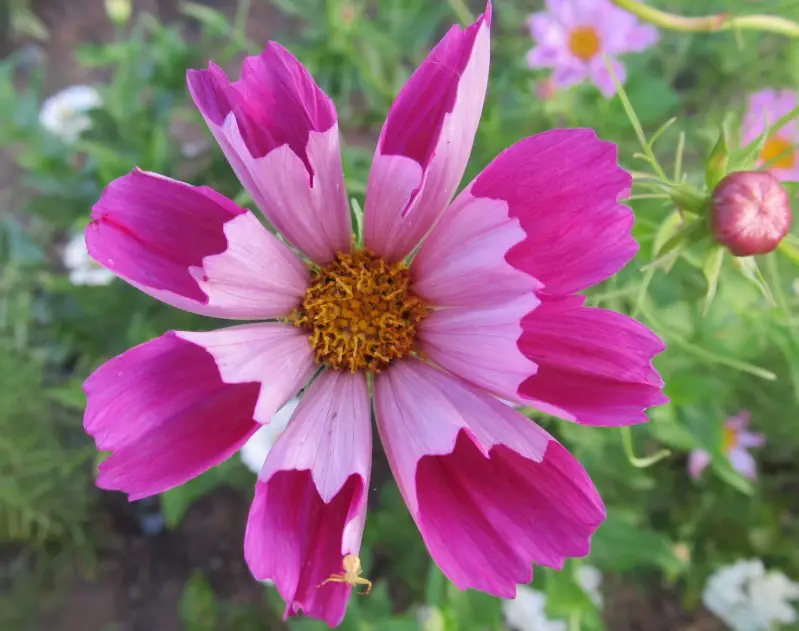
{"x": 736, "y": 441}
{"x": 781, "y": 150}
{"x": 574, "y": 36}
{"x": 452, "y": 307}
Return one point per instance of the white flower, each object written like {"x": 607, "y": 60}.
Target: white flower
{"x": 65, "y": 113}
{"x": 527, "y": 612}
{"x": 83, "y": 269}
{"x": 253, "y": 453}
{"x": 748, "y": 598}
{"x": 589, "y": 579}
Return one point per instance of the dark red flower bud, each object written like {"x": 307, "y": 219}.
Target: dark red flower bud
{"x": 750, "y": 212}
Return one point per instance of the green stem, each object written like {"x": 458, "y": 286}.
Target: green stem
{"x": 637, "y": 462}
{"x": 709, "y": 23}
{"x": 460, "y": 9}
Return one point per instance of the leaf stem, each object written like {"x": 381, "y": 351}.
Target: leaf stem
{"x": 709, "y": 23}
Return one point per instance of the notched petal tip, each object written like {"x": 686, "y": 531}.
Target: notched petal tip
{"x": 157, "y": 407}
{"x": 595, "y": 365}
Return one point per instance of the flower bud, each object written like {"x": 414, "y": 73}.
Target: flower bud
{"x": 750, "y": 212}
{"x": 118, "y": 11}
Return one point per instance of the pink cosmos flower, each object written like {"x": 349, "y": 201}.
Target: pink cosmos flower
{"x": 735, "y": 444}
{"x": 451, "y": 308}
{"x": 781, "y": 150}
{"x": 572, "y": 36}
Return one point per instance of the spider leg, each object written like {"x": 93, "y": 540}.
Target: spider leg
{"x": 364, "y": 581}
{"x": 333, "y": 578}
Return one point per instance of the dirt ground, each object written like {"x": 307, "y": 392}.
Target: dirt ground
{"x": 139, "y": 579}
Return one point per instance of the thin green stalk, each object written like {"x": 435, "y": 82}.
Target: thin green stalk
{"x": 460, "y": 9}
{"x": 636, "y": 461}
{"x": 703, "y": 353}
{"x": 709, "y": 23}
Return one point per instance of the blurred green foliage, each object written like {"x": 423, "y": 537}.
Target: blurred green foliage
{"x": 740, "y": 350}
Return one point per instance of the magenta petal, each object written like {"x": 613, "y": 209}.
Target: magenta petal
{"x": 481, "y": 344}
{"x": 310, "y": 503}
{"x": 491, "y": 492}
{"x": 166, "y": 415}
{"x": 279, "y": 132}
{"x": 193, "y": 248}
{"x": 276, "y": 356}
{"x": 426, "y": 141}
{"x": 563, "y": 186}
{"x": 276, "y": 102}
{"x": 594, "y": 366}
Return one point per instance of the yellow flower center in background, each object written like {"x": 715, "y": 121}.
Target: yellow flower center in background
{"x": 729, "y": 439}
{"x": 782, "y": 152}
{"x": 360, "y": 312}
{"x": 584, "y": 42}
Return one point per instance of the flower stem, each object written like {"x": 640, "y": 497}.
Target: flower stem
{"x": 709, "y": 23}
{"x": 462, "y": 11}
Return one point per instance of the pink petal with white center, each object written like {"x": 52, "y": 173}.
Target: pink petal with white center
{"x": 563, "y": 186}
{"x": 310, "y": 502}
{"x": 166, "y": 415}
{"x": 279, "y": 132}
{"x": 491, "y": 492}
{"x": 594, "y": 366}
{"x": 426, "y": 141}
{"x": 698, "y": 460}
{"x": 743, "y": 462}
{"x": 462, "y": 263}
{"x": 276, "y": 356}
{"x": 193, "y": 248}
{"x": 480, "y": 344}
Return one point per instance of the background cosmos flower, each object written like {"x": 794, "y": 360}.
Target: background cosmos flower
{"x": 781, "y": 150}
{"x": 491, "y": 492}
{"x": 749, "y": 598}
{"x": 65, "y": 113}
{"x": 571, "y": 36}
{"x": 83, "y": 270}
{"x": 736, "y": 441}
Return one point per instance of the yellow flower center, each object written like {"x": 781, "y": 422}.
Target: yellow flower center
{"x": 729, "y": 439}
{"x": 779, "y": 153}
{"x": 584, "y": 42}
{"x": 360, "y": 312}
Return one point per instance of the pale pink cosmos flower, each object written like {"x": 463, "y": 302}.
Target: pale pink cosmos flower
{"x": 735, "y": 443}
{"x": 452, "y": 308}
{"x": 781, "y": 150}
{"x": 574, "y": 36}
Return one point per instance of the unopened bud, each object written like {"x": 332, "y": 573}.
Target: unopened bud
{"x": 750, "y": 212}
{"x": 118, "y": 11}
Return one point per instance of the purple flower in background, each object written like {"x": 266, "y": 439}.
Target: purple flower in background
{"x": 780, "y": 151}
{"x": 572, "y": 36}
{"x": 736, "y": 442}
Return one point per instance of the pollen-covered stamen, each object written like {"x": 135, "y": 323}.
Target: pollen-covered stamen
{"x": 360, "y": 312}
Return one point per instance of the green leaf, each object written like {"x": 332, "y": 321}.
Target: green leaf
{"x": 711, "y": 268}
{"x": 215, "y": 21}
{"x": 622, "y": 546}
{"x": 718, "y": 161}
{"x": 198, "y": 607}
{"x": 652, "y": 98}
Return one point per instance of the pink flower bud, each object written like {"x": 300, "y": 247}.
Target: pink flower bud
{"x": 750, "y": 212}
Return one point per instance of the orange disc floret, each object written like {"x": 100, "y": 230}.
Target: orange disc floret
{"x": 360, "y": 312}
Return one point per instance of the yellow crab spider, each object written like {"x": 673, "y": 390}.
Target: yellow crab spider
{"x": 351, "y": 574}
